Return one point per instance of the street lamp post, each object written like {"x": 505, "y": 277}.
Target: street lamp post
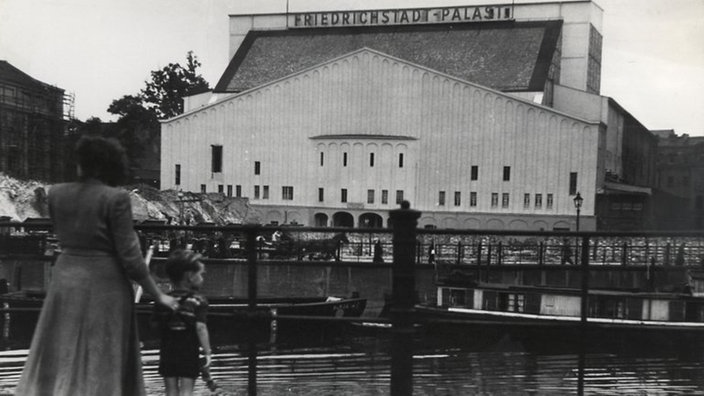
{"x": 180, "y": 208}
{"x": 578, "y": 200}
{"x": 368, "y": 224}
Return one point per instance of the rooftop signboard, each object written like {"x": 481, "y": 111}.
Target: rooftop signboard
{"x": 414, "y": 16}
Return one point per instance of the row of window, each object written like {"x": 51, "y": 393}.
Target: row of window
{"x": 537, "y": 200}
{"x": 371, "y": 196}
{"x": 371, "y": 159}
{"x": 216, "y": 167}
{"x": 260, "y": 192}
{"x": 671, "y": 181}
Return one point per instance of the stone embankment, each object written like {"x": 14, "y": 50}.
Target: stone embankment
{"x": 26, "y": 199}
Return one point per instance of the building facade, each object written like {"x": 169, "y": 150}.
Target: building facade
{"x": 333, "y": 118}
{"x": 32, "y": 126}
{"x": 680, "y": 181}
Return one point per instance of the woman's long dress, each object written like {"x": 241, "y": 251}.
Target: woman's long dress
{"x": 86, "y": 342}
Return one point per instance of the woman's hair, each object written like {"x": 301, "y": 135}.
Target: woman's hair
{"x": 102, "y": 159}
{"x": 181, "y": 261}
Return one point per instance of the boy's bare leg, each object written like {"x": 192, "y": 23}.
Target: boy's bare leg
{"x": 187, "y": 386}
{"x": 171, "y": 386}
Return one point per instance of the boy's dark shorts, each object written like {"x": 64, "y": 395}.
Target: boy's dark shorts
{"x": 179, "y": 363}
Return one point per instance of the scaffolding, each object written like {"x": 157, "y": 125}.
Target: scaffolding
{"x": 69, "y": 106}
{"x": 33, "y": 118}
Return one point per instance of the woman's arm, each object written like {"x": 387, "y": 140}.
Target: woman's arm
{"x": 162, "y": 298}
{"x": 128, "y": 249}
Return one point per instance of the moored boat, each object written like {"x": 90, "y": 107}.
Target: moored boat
{"x": 551, "y": 312}
{"x": 274, "y": 319}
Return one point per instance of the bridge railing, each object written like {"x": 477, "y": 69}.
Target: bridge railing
{"x": 473, "y": 247}
{"x": 402, "y": 248}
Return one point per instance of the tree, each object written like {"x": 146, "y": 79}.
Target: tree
{"x": 165, "y": 92}
{"x": 161, "y": 98}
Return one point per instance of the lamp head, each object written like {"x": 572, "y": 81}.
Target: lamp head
{"x": 578, "y": 200}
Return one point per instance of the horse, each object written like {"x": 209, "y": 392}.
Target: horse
{"x": 313, "y": 249}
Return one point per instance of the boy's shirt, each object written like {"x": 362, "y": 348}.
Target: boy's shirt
{"x": 192, "y": 308}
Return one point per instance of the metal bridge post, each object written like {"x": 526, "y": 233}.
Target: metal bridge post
{"x": 251, "y": 232}
{"x": 403, "y": 295}
{"x": 584, "y": 266}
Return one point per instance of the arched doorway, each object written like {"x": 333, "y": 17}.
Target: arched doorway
{"x": 370, "y": 220}
{"x": 342, "y": 219}
{"x": 321, "y": 220}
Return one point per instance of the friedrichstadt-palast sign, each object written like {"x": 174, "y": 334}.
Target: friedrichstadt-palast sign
{"x": 401, "y": 16}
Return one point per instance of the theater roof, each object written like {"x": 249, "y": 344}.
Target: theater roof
{"x": 507, "y": 56}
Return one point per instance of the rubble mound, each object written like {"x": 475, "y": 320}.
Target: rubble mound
{"x": 24, "y": 199}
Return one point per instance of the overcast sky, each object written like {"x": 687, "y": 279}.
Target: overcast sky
{"x": 653, "y": 50}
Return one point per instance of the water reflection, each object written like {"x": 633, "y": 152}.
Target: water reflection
{"x": 361, "y": 365}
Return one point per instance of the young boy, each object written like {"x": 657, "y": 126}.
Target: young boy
{"x": 184, "y": 330}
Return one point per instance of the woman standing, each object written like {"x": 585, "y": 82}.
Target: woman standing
{"x": 86, "y": 342}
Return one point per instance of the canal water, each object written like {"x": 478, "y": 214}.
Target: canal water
{"x": 357, "y": 360}
{"x": 359, "y": 363}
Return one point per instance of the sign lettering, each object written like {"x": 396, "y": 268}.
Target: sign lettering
{"x": 401, "y": 16}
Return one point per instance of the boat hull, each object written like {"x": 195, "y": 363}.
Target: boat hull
{"x": 548, "y": 333}
{"x": 229, "y": 319}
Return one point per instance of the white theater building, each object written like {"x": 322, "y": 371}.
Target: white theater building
{"x": 483, "y": 117}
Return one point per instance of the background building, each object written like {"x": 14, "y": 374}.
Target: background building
{"x": 33, "y": 120}
{"x": 481, "y": 116}
{"x": 680, "y": 181}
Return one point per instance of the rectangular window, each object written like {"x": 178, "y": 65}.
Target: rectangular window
{"x": 507, "y": 173}
{"x": 370, "y": 196}
{"x": 202, "y": 188}
{"x": 548, "y": 204}
{"x": 177, "y": 173}
{"x": 475, "y": 172}
{"x": 216, "y": 158}
{"x": 458, "y": 198}
{"x": 257, "y": 167}
{"x": 441, "y": 198}
{"x": 238, "y": 191}
{"x": 256, "y": 192}
{"x": 287, "y": 193}
{"x": 343, "y": 195}
{"x": 229, "y": 190}
{"x": 494, "y": 200}
{"x": 321, "y": 194}
{"x": 516, "y": 302}
{"x": 526, "y": 201}
{"x": 384, "y": 196}
{"x": 400, "y": 160}
{"x": 538, "y": 201}
{"x": 573, "y": 183}
{"x": 322, "y": 158}
{"x": 221, "y": 188}
{"x": 344, "y": 159}
{"x": 371, "y": 160}
{"x": 472, "y": 198}
{"x": 265, "y": 192}
{"x": 399, "y": 196}
{"x": 504, "y": 200}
